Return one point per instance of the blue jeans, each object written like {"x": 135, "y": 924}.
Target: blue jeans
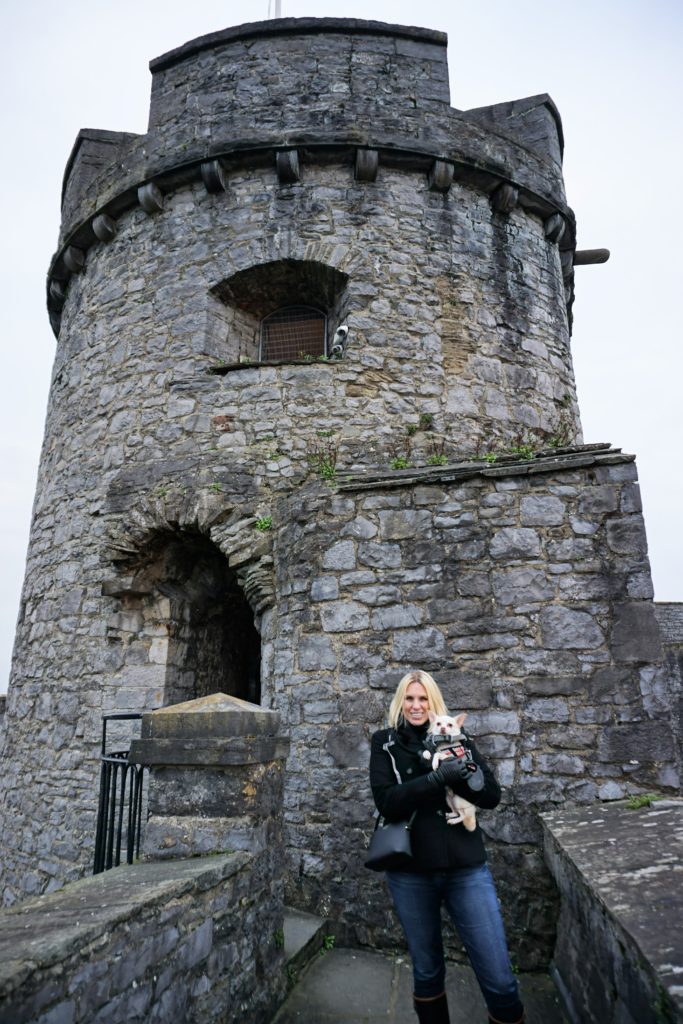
{"x": 470, "y": 898}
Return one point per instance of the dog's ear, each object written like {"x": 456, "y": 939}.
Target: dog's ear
{"x": 432, "y": 716}
{"x": 460, "y": 719}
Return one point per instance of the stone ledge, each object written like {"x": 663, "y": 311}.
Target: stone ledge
{"x": 212, "y": 753}
{"x": 545, "y": 461}
{"x": 298, "y": 26}
{"x": 619, "y": 872}
{"x": 48, "y": 929}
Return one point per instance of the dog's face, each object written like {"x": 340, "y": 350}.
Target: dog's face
{"x": 446, "y": 725}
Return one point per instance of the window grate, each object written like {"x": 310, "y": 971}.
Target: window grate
{"x": 295, "y": 332}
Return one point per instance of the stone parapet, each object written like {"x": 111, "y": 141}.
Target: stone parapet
{"x": 192, "y": 940}
{"x": 231, "y": 102}
{"x": 618, "y": 957}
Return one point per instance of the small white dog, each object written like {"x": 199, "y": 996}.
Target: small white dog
{"x": 446, "y": 739}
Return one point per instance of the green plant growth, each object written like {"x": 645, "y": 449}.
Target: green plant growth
{"x": 490, "y": 457}
{"x": 634, "y": 803}
{"x": 412, "y": 429}
{"x": 216, "y": 486}
{"x": 264, "y": 523}
{"x": 279, "y": 938}
{"x": 437, "y": 454}
{"x": 327, "y": 944}
{"x": 400, "y": 462}
{"x": 524, "y": 451}
{"x": 426, "y": 421}
{"x": 322, "y": 456}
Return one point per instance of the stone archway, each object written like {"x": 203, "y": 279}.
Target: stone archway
{"x": 190, "y": 604}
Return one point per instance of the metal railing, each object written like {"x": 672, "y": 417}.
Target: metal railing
{"x": 120, "y": 806}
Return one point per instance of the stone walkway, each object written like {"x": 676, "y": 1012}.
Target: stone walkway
{"x": 350, "y": 986}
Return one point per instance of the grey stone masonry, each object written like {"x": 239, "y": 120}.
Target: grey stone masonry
{"x": 189, "y": 940}
{"x": 618, "y": 958}
{"x": 216, "y": 781}
{"x": 298, "y": 533}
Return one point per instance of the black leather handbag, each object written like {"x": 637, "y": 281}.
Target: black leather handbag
{"x": 389, "y": 848}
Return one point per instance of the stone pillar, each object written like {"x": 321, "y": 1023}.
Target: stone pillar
{"x": 216, "y": 779}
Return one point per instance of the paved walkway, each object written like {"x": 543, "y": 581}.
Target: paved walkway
{"x": 350, "y": 986}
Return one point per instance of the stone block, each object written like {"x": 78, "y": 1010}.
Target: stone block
{"x": 599, "y": 499}
{"x": 404, "y": 524}
{"x": 550, "y": 710}
{"x": 549, "y": 686}
{"x": 418, "y": 646}
{"x": 315, "y": 653}
{"x": 644, "y": 742}
{"x": 341, "y": 555}
{"x": 378, "y": 595}
{"x": 521, "y": 586}
{"x": 380, "y": 556}
{"x": 348, "y": 746}
{"x": 344, "y": 617}
{"x": 397, "y": 616}
{"x": 486, "y": 722}
{"x": 563, "y": 628}
{"x": 515, "y": 542}
{"x": 541, "y": 510}
{"x": 635, "y": 633}
{"x": 627, "y": 536}
{"x": 361, "y": 528}
{"x": 574, "y": 550}
{"x": 560, "y": 764}
{"x": 325, "y": 588}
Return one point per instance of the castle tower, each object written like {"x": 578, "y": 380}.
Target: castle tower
{"x": 299, "y": 324}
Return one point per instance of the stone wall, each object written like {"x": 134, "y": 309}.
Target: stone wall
{"x": 618, "y": 953}
{"x": 200, "y": 938}
{"x": 527, "y": 594}
{"x": 192, "y": 940}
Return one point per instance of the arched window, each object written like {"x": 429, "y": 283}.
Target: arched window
{"x": 276, "y": 311}
{"x": 293, "y": 332}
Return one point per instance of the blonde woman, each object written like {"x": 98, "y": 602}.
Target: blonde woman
{"x": 449, "y": 861}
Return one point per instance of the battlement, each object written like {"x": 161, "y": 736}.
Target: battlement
{"x": 293, "y": 93}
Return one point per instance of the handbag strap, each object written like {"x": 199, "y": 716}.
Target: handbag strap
{"x": 390, "y": 743}
{"x": 408, "y": 824}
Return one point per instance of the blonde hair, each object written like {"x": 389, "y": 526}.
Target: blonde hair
{"x": 434, "y": 695}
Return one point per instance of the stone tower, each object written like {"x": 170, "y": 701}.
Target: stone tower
{"x": 313, "y": 423}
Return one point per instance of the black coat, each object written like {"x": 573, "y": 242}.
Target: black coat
{"x": 436, "y": 845}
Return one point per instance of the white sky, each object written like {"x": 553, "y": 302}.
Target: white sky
{"x": 613, "y": 68}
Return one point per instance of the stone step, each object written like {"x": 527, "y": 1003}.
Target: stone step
{"x": 304, "y": 937}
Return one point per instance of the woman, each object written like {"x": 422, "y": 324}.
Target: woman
{"x": 450, "y": 862}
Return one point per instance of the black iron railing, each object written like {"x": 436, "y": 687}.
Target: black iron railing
{"x": 119, "y": 817}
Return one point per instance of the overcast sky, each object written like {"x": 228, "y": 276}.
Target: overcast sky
{"x": 613, "y": 69}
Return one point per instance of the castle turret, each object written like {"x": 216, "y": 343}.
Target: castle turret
{"x": 312, "y": 270}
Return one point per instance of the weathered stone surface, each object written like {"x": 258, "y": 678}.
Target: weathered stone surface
{"x": 344, "y": 617}
{"x": 618, "y": 872}
{"x": 109, "y": 947}
{"x": 635, "y": 633}
{"x": 567, "y": 628}
{"x": 542, "y": 511}
{"x": 513, "y": 543}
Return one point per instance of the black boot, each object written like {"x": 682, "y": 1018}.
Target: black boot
{"x": 515, "y": 1015}
{"x": 432, "y": 1009}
